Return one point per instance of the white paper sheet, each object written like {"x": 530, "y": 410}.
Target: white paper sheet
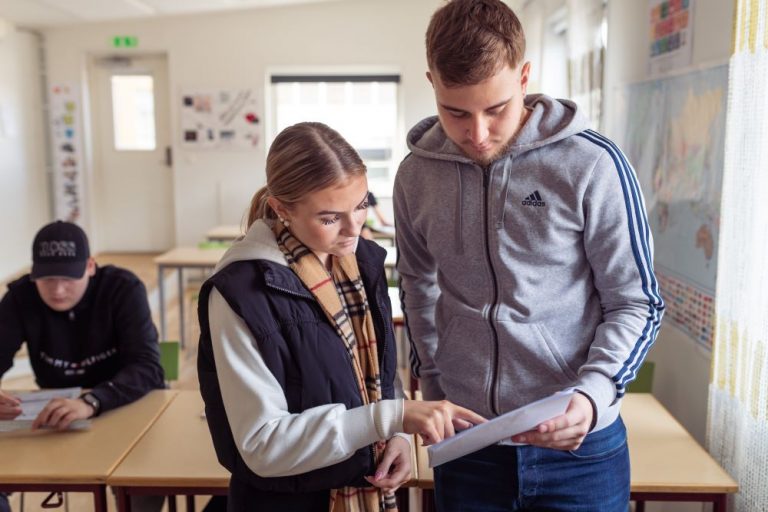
{"x": 503, "y": 427}
{"x": 32, "y": 402}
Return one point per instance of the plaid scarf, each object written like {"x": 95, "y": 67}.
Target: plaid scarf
{"x": 342, "y": 296}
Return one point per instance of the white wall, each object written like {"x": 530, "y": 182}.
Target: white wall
{"x": 237, "y": 49}
{"x": 24, "y": 204}
{"x": 534, "y": 16}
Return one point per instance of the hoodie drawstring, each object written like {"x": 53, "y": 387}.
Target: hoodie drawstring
{"x": 506, "y": 173}
{"x": 459, "y": 224}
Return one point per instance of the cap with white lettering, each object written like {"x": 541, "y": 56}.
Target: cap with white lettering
{"x": 60, "y": 249}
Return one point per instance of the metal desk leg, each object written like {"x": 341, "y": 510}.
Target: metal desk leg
{"x": 123, "y": 499}
{"x": 161, "y": 291}
{"x": 181, "y": 306}
{"x": 720, "y": 504}
{"x": 100, "y": 499}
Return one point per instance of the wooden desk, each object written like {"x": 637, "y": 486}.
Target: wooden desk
{"x": 391, "y": 259}
{"x": 667, "y": 464}
{"x": 226, "y": 233}
{"x": 383, "y": 233}
{"x": 77, "y": 461}
{"x": 397, "y": 309}
{"x": 179, "y": 259}
{"x": 175, "y": 456}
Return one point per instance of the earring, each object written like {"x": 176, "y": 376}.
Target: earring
{"x": 284, "y": 222}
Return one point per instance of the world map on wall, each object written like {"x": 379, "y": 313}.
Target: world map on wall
{"x": 675, "y": 139}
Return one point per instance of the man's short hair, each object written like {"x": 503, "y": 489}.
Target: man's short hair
{"x": 469, "y": 41}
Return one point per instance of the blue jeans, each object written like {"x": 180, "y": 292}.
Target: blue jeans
{"x": 594, "y": 478}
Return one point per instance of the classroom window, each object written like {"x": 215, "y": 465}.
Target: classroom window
{"x": 362, "y": 108}
{"x": 133, "y": 112}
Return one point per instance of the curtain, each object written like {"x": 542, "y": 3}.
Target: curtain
{"x": 737, "y": 427}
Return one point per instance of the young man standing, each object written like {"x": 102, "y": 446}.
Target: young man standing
{"x": 84, "y": 326}
{"x": 526, "y": 264}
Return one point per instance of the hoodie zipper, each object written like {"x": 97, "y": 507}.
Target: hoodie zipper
{"x": 494, "y": 303}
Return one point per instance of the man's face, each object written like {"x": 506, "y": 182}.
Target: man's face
{"x": 64, "y": 293}
{"x": 482, "y": 119}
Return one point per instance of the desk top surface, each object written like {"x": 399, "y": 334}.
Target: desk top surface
{"x": 226, "y": 232}
{"x": 81, "y": 457}
{"x": 391, "y": 258}
{"x": 663, "y": 455}
{"x": 191, "y": 256}
{"x": 176, "y": 451}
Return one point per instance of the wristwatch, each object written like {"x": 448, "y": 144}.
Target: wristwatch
{"x": 91, "y": 400}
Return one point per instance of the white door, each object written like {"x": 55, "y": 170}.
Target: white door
{"x": 133, "y": 174}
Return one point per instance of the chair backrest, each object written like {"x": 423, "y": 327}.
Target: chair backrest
{"x": 169, "y": 359}
{"x": 644, "y": 381}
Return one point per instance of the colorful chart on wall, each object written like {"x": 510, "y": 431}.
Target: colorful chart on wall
{"x": 66, "y": 138}
{"x": 675, "y": 138}
{"x": 220, "y": 119}
{"x": 670, "y": 35}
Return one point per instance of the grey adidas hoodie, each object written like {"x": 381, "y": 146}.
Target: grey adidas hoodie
{"x": 531, "y": 275}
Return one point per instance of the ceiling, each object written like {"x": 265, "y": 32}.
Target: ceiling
{"x": 49, "y": 13}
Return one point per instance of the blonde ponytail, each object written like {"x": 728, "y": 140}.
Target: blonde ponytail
{"x": 260, "y": 208}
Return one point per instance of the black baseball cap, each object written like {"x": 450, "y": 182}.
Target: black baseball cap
{"x": 60, "y": 249}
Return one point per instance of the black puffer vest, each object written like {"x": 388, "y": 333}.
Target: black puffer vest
{"x": 304, "y": 353}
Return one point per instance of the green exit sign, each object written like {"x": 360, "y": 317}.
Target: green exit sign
{"x": 125, "y": 41}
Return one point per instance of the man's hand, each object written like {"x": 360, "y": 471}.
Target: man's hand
{"x": 565, "y": 432}
{"x": 394, "y": 468}
{"x": 10, "y": 406}
{"x": 61, "y": 412}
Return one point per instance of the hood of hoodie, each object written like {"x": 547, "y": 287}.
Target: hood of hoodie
{"x": 259, "y": 243}
{"x": 550, "y": 120}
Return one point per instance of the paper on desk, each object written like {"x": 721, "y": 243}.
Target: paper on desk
{"x": 32, "y": 402}
{"x": 503, "y": 427}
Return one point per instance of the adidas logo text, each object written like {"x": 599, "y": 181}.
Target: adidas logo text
{"x": 534, "y": 200}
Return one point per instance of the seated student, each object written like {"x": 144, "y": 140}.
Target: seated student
{"x": 297, "y": 362}
{"x": 373, "y": 204}
{"x": 84, "y": 326}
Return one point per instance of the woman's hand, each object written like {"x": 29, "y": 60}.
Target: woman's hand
{"x": 394, "y": 468}
{"x": 434, "y": 421}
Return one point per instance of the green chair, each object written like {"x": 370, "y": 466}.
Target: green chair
{"x": 169, "y": 359}
{"x": 644, "y": 381}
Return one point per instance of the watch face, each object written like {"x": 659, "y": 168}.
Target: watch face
{"x": 92, "y": 401}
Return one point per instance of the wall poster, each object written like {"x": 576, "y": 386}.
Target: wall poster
{"x": 220, "y": 119}
{"x": 670, "y": 35}
{"x": 67, "y": 140}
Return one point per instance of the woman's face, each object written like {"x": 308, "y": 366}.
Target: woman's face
{"x": 328, "y": 221}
